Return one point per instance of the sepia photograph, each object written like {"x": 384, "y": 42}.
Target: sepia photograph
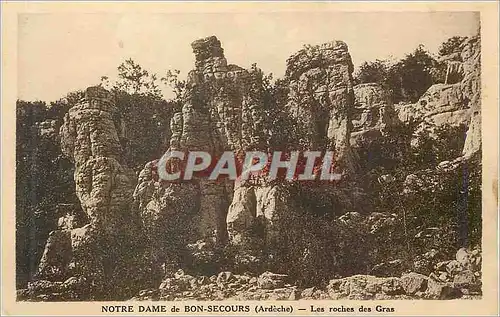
{"x": 226, "y": 157}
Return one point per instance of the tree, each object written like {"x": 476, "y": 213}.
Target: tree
{"x": 133, "y": 79}
{"x": 373, "y": 72}
{"x": 142, "y": 111}
{"x": 412, "y": 76}
{"x": 452, "y": 45}
{"x": 407, "y": 79}
{"x": 172, "y": 80}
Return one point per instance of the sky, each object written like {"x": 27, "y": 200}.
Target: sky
{"x": 59, "y": 53}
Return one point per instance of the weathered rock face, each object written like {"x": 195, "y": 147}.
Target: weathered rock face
{"x": 373, "y": 112}
{"x": 365, "y": 287}
{"x": 223, "y": 104}
{"x": 85, "y": 245}
{"x": 222, "y": 111}
{"x": 440, "y": 104}
{"x": 457, "y": 102}
{"x": 255, "y": 217}
{"x": 471, "y": 86}
{"x": 321, "y": 99}
{"x": 89, "y": 138}
{"x": 89, "y": 129}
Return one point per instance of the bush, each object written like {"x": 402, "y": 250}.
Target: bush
{"x": 452, "y": 45}
{"x": 405, "y": 80}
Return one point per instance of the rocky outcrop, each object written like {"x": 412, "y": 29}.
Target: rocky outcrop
{"x": 373, "y": 113}
{"x": 441, "y": 105}
{"x": 454, "y": 103}
{"x": 93, "y": 246}
{"x": 103, "y": 183}
{"x": 222, "y": 106}
{"x": 471, "y": 86}
{"x": 231, "y": 96}
{"x": 256, "y": 219}
{"x": 222, "y": 110}
{"x": 321, "y": 99}
{"x": 464, "y": 281}
{"x": 320, "y": 102}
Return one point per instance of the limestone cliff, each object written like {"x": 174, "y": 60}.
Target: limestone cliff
{"x": 222, "y": 110}
{"x": 471, "y": 86}
{"x": 321, "y": 99}
{"x": 454, "y": 103}
{"x": 373, "y": 112}
{"x": 93, "y": 248}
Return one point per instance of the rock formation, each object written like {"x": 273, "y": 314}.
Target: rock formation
{"x": 221, "y": 111}
{"x": 373, "y": 112}
{"x": 321, "y": 99}
{"x": 471, "y": 86}
{"x": 93, "y": 246}
{"x": 103, "y": 184}
{"x": 320, "y": 103}
{"x": 121, "y": 236}
{"x": 454, "y": 103}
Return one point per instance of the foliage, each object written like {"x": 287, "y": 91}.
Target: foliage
{"x": 38, "y": 157}
{"x": 446, "y": 143}
{"x": 452, "y": 45}
{"x": 408, "y": 78}
{"x": 144, "y": 114}
{"x": 277, "y": 116}
{"x": 447, "y": 200}
{"x": 373, "y": 72}
{"x": 133, "y": 79}
{"x": 314, "y": 249}
{"x": 146, "y": 131}
{"x": 172, "y": 80}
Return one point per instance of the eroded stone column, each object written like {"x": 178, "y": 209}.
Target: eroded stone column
{"x": 98, "y": 251}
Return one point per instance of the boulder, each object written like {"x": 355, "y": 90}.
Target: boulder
{"x": 462, "y": 256}
{"x": 464, "y": 279}
{"x": 440, "y": 290}
{"x": 364, "y": 287}
{"x": 413, "y": 283}
{"x": 269, "y": 280}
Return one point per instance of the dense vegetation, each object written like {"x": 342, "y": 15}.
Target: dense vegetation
{"x": 408, "y": 78}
